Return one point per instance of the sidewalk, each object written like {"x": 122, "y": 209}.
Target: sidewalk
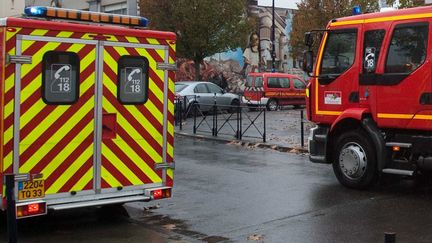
{"x": 283, "y": 131}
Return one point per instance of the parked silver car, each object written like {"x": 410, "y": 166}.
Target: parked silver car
{"x": 204, "y": 94}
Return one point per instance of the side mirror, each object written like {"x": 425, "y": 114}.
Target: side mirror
{"x": 308, "y": 39}
{"x": 308, "y": 61}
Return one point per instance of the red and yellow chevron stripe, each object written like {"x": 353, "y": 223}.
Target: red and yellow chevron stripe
{"x": 138, "y": 146}
{"x": 2, "y": 78}
{"x": 57, "y": 141}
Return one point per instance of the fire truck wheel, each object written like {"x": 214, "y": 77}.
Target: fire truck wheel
{"x": 272, "y": 105}
{"x": 354, "y": 160}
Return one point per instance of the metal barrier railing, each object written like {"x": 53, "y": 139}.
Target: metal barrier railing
{"x": 220, "y": 119}
{"x": 228, "y": 120}
{"x": 236, "y": 121}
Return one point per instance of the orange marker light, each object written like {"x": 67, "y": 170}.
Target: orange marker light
{"x": 96, "y": 17}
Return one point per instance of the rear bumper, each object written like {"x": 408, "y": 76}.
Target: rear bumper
{"x": 115, "y": 197}
{"x": 318, "y": 144}
{"x": 99, "y": 202}
{"x": 87, "y": 199}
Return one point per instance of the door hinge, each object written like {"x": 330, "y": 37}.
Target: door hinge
{"x": 161, "y": 166}
{"x": 18, "y": 59}
{"x": 166, "y": 66}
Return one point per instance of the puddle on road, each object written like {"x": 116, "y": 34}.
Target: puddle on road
{"x": 251, "y": 145}
{"x": 179, "y": 227}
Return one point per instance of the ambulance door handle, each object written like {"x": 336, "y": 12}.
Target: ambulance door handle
{"x": 105, "y": 127}
{"x": 109, "y": 125}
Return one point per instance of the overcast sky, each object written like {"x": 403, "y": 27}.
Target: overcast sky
{"x": 280, "y": 3}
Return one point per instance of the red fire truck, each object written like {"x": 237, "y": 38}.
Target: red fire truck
{"x": 86, "y": 110}
{"x": 371, "y": 95}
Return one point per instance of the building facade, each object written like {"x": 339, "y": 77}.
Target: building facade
{"x": 10, "y": 8}
{"x": 129, "y": 7}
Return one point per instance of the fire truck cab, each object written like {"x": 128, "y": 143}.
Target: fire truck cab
{"x": 86, "y": 110}
{"x": 370, "y": 95}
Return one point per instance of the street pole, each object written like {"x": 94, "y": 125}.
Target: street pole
{"x": 11, "y": 213}
{"x": 273, "y": 38}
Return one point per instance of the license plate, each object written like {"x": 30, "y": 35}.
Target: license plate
{"x": 31, "y": 189}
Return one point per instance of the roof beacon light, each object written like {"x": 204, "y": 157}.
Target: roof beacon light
{"x": 35, "y": 11}
{"x": 72, "y": 14}
{"x": 357, "y": 10}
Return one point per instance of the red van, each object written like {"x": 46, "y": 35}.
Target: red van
{"x": 274, "y": 90}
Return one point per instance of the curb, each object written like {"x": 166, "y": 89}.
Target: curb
{"x": 246, "y": 143}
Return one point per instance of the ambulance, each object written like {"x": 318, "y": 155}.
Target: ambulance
{"x": 86, "y": 106}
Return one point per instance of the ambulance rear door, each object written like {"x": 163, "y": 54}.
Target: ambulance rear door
{"x": 50, "y": 117}
{"x": 132, "y": 116}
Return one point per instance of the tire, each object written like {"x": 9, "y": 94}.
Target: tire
{"x": 354, "y": 160}
{"x": 234, "y": 106}
{"x": 272, "y": 105}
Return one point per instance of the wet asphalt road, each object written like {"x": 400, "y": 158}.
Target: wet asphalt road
{"x": 236, "y": 193}
{"x": 225, "y": 192}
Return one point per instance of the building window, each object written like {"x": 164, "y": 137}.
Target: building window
{"x": 119, "y": 8}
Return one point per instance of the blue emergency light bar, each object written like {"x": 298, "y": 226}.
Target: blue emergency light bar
{"x": 96, "y": 17}
{"x": 357, "y": 10}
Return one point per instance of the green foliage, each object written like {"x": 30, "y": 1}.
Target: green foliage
{"x": 406, "y": 3}
{"x": 315, "y": 14}
{"x": 203, "y": 27}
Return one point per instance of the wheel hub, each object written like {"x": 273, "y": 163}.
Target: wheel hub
{"x": 272, "y": 105}
{"x": 353, "y": 161}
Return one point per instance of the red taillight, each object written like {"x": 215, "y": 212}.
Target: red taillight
{"x": 30, "y": 209}
{"x": 157, "y": 194}
{"x": 33, "y": 208}
{"x": 160, "y": 193}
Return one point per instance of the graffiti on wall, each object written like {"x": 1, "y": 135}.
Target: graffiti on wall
{"x": 228, "y": 69}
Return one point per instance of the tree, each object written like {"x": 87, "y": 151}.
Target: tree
{"x": 406, "y": 3}
{"x": 203, "y": 27}
{"x": 315, "y": 14}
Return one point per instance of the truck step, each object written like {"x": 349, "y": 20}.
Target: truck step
{"x": 401, "y": 161}
{"x": 398, "y": 172}
{"x": 402, "y": 145}
{"x": 99, "y": 202}
{"x": 320, "y": 137}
